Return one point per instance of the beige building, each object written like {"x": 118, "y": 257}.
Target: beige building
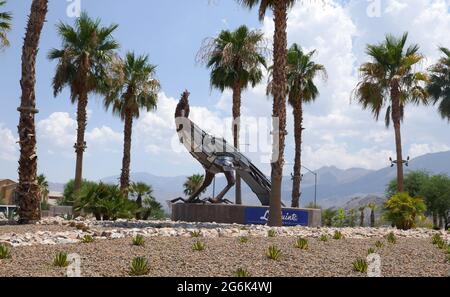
{"x": 8, "y": 191}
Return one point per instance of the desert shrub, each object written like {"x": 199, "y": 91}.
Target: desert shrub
{"x": 323, "y": 237}
{"x": 196, "y": 233}
{"x": 391, "y": 238}
{"x": 327, "y": 217}
{"x": 271, "y": 233}
{"x": 273, "y": 253}
{"x": 337, "y": 235}
{"x": 138, "y": 240}
{"x": 379, "y": 244}
{"x": 241, "y": 273}
{"x": 403, "y": 210}
{"x": 360, "y": 265}
{"x": 243, "y": 239}
{"x": 139, "y": 266}
{"x": 5, "y": 252}
{"x": 436, "y": 238}
{"x": 340, "y": 218}
{"x": 198, "y": 246}
{"x": 87, "y": 239}
{"x": 371, "y": 251}
{"x": 69, "y": 195}
{"x": 60, "y": 260}
{"x": 301, "y": 243}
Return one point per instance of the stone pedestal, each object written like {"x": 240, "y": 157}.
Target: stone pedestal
{"x": 244, "y": 215}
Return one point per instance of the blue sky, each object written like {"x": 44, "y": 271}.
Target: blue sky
{"x": 171, "y": 31}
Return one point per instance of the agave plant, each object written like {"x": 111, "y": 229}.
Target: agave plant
{"x": 391, "y": 238}
{"x": 301, "y": 243}
{"x": 5, "y": 252}
{"x": 138, "y": 240}
{"x": 379, "y": 244}
{"x": 60, "y": 260}
{"x": 371, "y": 251}
{"x": 196, "y": 233}
{"x": 198, "y": 246}
{"x": 243, "y": 239}
{"x": 323, "y": 238}
{"x": 271, "y": 233}
{"x": 139, "y": 266}
{"x": 337, "y": 235}
{"x": 241, "y": 273}
{"x": 87, "y": 239}
{"x": 273, "y": 253}
{"x": 360, "y": 265}
{"x": 436, "y": 238}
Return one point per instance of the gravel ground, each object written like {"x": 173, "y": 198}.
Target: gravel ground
{"x": 170, "y": 256}
{"x": 21, "y": 229}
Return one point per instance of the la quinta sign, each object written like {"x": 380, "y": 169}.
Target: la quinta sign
{"x": 290, "y": 217}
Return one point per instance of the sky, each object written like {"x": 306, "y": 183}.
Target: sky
{"x": 338, "y": 132}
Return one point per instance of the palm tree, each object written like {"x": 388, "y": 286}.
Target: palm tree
{"x": 236, "y": 59}
{"x": 43, "y": 187}
{"x": 362, "y": 215}
{"x": 83, "y": 63}
{"x": 301, "y": 71}
{"x": 279, "y": 92}
{"x": 193, "y": 183}
{"x": 141, "y": 190}
{"x": 372, "y": 207}
{"x": 134, "y": 88}
{"x": 390, "y": 79}
{"x": 5, "y": 26}
{"x": 439, "y": 84}
{"x": 28, "y": 189}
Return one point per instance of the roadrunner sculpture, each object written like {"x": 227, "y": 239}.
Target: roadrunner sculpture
{"x": 216, "y": 156}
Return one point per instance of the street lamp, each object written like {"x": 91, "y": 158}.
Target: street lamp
{"x": 393, "y": 163}
{"x": 315, "y": 181}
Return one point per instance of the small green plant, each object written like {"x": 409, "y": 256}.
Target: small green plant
{"x": 243, "y": 239}
{"x": 273, "y": 253}
{"x": 360, "y": 265}
{"x": 5, "y": 253}
{"x": 436, "y": 238}
{"x": 196, "y": 233}
{"x": 60, "y": 260}
{"x": 442, "y": 244}
{"x": 371, "y": 251}
{"x": 323, "y": 238}
{"x": 404, "y": 211}
{"x": 337, "y": 235}
{"x": 271, "y": 233}
{"x": 139, "y": 266}
{"x": 138, "y": 240}
{"x": 241, "y": 273}
{"x": 301, "y": 243}
{"x": 87, "y": 239}
{"x": 391, "y": 238}
{"x": 198, "y": 246}
{"x": 379, "y": 244}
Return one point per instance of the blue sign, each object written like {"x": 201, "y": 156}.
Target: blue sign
{"x": 291, "y": 217}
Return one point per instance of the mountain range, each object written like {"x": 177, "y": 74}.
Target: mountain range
{"x": 336, "y": 187}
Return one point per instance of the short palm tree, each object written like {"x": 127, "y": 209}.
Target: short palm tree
{"x": 5, "y": 26}
{"x": 193, "y": 183}
{"x": 83, "y": 64}
{"x": 372, "y": 207}
{"x": 279, "y": 92}
{"x": 134, "y": 88}
{"x": 439, "y": 84}
{"x": 43, "y": 187}
{"x": 28, "y": 189}
{"x": 301, "y": 72}
{"x": 391, "y": 80}
{"x": 141, "y": 190}
{"x": 236, "y": 60}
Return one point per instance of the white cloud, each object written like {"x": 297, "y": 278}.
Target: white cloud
{"x": 416, "y": 150}
{"x": 9, "y": 147}
{"x": 104, "y": 135}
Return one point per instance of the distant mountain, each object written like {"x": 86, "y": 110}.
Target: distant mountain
{"x": 336, "y": 187}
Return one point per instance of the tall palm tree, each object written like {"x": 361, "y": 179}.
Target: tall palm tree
{"x": 43, "y": 187}
{"x": 193, "y": 183}
{"x": 236, "y": 59}
{"x": 301, "y": 71}
{"x": 439, "y": 84}
{"x": 83, "y": 63}
{"x": 28, "y": 188}
{"x": 141, "y": 190}
{"x": 390, "y": 79}
{"x": 279, "y": 91}
{"x": 133, "y": 88}
{"x": 5, "y": 26}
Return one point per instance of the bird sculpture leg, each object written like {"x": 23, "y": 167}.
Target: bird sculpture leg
{"x": 206, "y": 182}
{"x": 231, "y": 181}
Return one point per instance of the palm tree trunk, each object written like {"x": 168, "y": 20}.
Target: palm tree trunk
{"x": 435, "y": 220}
{"x": 396, "y": 118}
{"x": 298, "y": 129}
{"x": 279, "y": 110}
{"x": 28, "y": 188}
{"x": 80, "y": 146}
{"x": 237, "y": 90}
{"x": 372, "y": 218}
{"x": 125, "y": 177}
{"x": 361, "y": 219}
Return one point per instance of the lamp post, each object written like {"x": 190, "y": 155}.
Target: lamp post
{"x": 315, "y": 181}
